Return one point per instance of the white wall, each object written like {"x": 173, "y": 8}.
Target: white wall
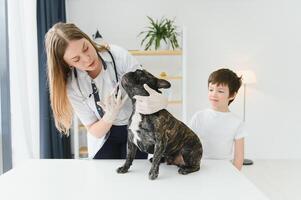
{"x": 240, "y": 34}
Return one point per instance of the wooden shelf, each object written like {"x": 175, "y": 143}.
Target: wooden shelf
{"x": 156, "y": 52}
{"x": 171, "y": 77}
{"x": 81, "y": 126}
{"x": 83, "y": 151}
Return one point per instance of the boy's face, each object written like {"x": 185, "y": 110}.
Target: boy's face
{"x": 219, "y": 96}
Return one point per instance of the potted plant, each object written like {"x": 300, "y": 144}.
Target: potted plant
{"x": 159, "y": 32}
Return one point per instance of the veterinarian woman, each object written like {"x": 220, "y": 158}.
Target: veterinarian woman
{"x": 81, "y": 74}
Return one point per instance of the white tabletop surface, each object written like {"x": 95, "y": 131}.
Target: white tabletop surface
{"x": 97, "y": 179}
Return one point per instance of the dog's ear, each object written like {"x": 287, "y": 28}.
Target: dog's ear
{"x": 163, "y": 83}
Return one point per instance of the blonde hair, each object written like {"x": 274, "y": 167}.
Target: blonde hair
{"x": 56, "y": 42}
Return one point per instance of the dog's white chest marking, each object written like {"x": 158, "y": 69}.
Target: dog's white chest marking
{"x": 134, "y": 127}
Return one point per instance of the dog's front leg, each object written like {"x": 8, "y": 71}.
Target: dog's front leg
{"x": 131, "y": 153}
{"x": 158, "y": 153}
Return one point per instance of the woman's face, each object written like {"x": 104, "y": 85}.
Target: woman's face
{"x": 81, "y": 55}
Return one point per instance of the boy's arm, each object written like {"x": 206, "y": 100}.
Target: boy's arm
{"x": 238, "y": 153}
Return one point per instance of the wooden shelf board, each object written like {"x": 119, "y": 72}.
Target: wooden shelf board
{"x": 83, "y": 151}
{"x": 81, "y": 126}
{"x": 171, "y": 77}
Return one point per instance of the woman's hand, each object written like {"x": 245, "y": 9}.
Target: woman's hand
{"x": 152, "y": 103}
{"x": 112, "y": 105}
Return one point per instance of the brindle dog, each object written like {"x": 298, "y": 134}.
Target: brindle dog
{"x": 160, "y": 133}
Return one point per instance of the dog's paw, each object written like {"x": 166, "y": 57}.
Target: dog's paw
{"x": 183, "y": 171}
{"x": 122, "y": 170}
{"x": 152, "y": 175}
{"x": 187, "y": 170}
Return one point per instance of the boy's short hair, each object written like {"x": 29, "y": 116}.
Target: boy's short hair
{"x": 226, "y": 77}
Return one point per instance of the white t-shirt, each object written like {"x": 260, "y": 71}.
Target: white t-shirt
{"x": 80, "y": 90}
{"x": 217, "y": 132}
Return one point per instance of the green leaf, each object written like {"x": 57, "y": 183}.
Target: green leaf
{"x": 160, "y": 30}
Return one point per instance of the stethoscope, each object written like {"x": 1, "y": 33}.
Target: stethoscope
{"x": 105, "y": 67}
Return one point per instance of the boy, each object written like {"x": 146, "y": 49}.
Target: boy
{"x": 218, "y": 128}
